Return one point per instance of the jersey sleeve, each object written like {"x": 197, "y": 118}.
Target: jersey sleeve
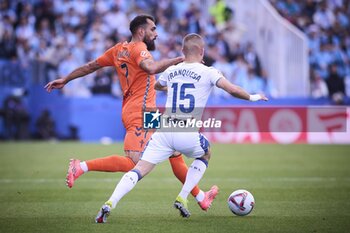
{"x": 106, "y": 59}
{"x": 163, "y": 78}
{"x": 214, "y": 75}
{"x": 140, "y": 53}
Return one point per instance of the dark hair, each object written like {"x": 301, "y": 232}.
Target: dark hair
{"x": 138, "y": 21}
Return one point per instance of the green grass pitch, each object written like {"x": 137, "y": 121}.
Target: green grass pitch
{"x": 297, "y": 188}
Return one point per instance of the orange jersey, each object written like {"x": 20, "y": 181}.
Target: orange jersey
{"x": 137, "y": 85}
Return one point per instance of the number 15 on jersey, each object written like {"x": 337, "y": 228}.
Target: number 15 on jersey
{"x": 179, "y": 93}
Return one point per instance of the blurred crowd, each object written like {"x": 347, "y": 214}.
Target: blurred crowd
{"x": 54, "y": 37}
{"x": 327, "y": 25}
{"x": 51, "y": 38}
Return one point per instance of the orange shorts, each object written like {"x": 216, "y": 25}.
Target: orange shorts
{"x": 136, "y": 137}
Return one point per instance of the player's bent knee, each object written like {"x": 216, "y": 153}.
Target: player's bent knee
{"x": 176, "y": 154}
{"x": 134, "y": 155}
{"x": 207, "y": 155}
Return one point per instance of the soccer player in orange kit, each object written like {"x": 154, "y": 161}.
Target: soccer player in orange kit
{"x": 136, "y": 68}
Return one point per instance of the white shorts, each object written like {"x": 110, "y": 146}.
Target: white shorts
{"x": 162, "y": 145}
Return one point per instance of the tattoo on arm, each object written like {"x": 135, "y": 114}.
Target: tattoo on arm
{"x": 84, "y": 70}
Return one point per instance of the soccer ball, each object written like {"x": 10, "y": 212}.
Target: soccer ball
{"x": 241, "y": 202}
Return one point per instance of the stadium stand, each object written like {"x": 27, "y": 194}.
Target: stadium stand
{"x": 43, "y": 39}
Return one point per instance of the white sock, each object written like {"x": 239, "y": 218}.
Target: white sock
{"x": 125, "y": 185}
{"x": 194, "y": 175}
{"x": 84, "y": 166}
{"x": 200, "y": 196}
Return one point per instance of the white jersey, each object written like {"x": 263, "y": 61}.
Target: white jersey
{"x": 189, "y": 86}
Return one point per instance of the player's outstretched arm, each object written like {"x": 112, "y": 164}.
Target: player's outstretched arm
{"x": 78, "y": 72}
{"x": 238, "y": 92}
{"x": 154, "y": 67}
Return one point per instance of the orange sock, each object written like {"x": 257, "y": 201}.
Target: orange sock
{"x": 113, "y": 163}
{"x": 180, "y": 170}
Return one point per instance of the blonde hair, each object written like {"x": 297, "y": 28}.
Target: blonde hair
{"x": 193, "y": 44}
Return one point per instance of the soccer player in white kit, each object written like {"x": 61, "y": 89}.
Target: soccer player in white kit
{"x": 188, "y": 85}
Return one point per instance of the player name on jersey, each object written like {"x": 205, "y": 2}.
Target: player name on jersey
{"x": 124, "y": 53}
{"x": 183, "y": 73}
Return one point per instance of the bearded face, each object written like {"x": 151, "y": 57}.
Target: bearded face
{"x": 150, "y": 35}
{"x": 151, "y": 46}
